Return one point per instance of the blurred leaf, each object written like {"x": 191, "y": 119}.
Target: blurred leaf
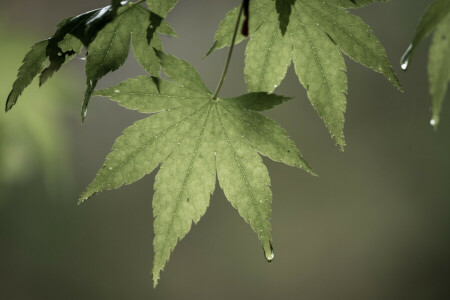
{"x": 437, "y": 17}
{"x": 32, "y": 143}
{"x": 318, "y": 32}
{"x": 192, "y": 138}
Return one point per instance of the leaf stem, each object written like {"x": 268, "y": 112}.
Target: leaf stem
{"x": 227, "y": 64}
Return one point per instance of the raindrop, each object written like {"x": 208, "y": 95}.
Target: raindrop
{"x": 269, "y": 255}
{"x": 404, "y": 62}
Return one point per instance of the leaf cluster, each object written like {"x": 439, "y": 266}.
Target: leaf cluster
{"x": 105, "y": 33}
{"x": 193, "y": 135}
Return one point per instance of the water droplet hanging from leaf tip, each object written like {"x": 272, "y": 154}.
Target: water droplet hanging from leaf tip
{"x": 404, "y": 62}
{"x": 269, "y": 255}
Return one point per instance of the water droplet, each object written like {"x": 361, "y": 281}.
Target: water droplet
{"x": 432, "y": 122}
{"x": 404, "y": 61}
{"x": 269, "y": 254}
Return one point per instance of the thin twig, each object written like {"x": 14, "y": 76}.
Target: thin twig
{"x": 227, "y": 64}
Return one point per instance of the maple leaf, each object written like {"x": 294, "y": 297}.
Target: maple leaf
{"x": 314, "y": 34}
{"x": 436, "y": 18}
{"x": 194, "y": 139}
{"x": 106, "y": 33}
{"x": 110, "y": 49}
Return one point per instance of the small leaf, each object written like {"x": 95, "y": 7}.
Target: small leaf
{"x": 192, "y": 138}
{"x": 32, "y": 65}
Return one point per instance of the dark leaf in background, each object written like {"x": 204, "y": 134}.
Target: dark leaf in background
{"x": 103, "y": 32}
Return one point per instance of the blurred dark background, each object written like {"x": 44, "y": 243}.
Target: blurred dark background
{"x": 374, "y": 225}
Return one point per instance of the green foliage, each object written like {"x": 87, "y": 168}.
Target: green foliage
{"x": 193, "y": 135}
{"x": 106, "y": 33}
{"x": 110, "y": 49}
{"x": 193, "y": 138}
{"x": 313, "y": 34}
{"x": 436, "y": 18}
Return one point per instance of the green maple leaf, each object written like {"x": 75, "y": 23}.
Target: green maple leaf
{"x": 195, "y": 138}
{"x": 436, "y": 18}
{"x": 106, "y": 33}
{"x": 110, "y": 49}
{"x": 314, "y": 34}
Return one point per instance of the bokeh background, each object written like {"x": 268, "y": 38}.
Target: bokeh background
{"x": 374, "y": 225}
